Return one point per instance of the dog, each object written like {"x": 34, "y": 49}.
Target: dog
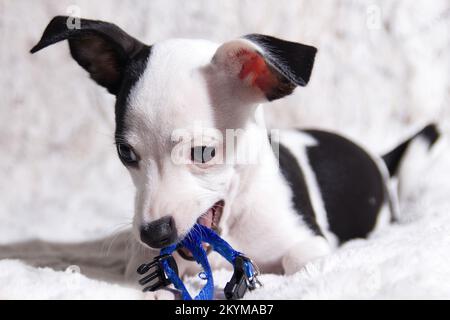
{"x": 304, "y": 192}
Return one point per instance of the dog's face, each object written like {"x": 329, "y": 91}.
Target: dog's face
{"x": 175, "y": 101}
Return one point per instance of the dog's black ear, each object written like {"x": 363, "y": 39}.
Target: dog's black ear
{"x": 101, "y": 48}
{"x": 272, "y": 65}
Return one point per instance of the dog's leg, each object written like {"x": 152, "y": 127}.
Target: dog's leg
{"x": 137, "y": 255}
{"x": 303, "y": 252}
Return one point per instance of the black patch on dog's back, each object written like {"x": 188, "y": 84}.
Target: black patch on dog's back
{"x": 300, "y": 195}
{"x": 350, "y": 182}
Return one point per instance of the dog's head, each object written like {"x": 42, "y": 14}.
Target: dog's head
{"x": 174, "y": 101}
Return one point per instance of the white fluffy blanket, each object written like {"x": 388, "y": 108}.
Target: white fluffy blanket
{"x": 374, "y": 80}
{"x": 406, "y": 260}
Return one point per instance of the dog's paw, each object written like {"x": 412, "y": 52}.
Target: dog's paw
{"x": 300, "y": 254}
{"x": 160, "y": 295}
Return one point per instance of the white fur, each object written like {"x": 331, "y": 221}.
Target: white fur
{"x": 86, "y": 182}
{"x": 175, "y": 93}
{"x": 168, "y": 98}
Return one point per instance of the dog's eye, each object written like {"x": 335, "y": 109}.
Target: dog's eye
{"x": 127, "y": 154}
{"x": 202, "y": 154}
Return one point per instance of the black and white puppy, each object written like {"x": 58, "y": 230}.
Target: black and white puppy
{"x": 187, "y": 110}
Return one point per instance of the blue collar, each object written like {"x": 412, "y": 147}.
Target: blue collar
{"x": 165, "y": 271}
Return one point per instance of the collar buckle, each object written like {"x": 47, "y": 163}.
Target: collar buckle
{"x": 157, "y": 272}
{"x": 244, "y": 277}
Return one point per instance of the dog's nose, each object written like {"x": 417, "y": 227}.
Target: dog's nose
{"x": 159, "y": 233}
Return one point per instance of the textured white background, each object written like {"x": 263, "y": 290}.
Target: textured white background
{"x": 376, "y": 80}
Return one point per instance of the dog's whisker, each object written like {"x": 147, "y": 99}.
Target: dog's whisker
{"x": 115, "y": 234}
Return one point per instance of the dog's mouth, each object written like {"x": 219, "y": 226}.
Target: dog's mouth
{"x": 211, "y": 219}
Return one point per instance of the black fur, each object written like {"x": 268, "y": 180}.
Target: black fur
{"x": 114, "y": 59}
{"x": 350, "y": 182}
{"x": 292, "y": 61}
{"x": 101, "y": 48}
{"x": 293, "y": 174}
{"x": 394, "y": 157}
{"x": 132, "y": 72}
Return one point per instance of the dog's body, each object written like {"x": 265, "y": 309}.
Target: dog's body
{"x": 277, "y": 212}
{"x": 323, "y": 190}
